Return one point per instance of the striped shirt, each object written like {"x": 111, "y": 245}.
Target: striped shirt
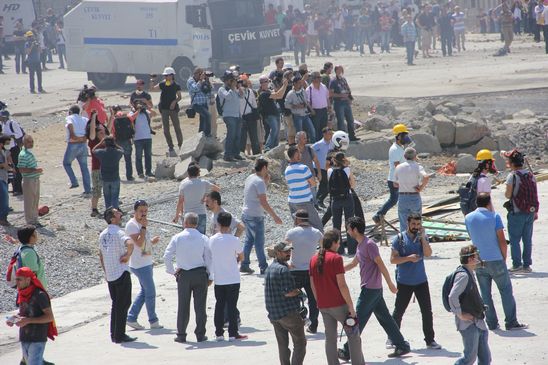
{"x": 459, "y": 21}
{"x": 296, "y": 176}
{"x": 28, "y": 161}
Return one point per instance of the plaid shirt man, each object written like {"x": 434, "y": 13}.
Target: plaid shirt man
{"x": 197, "y": 96}
{"x": 409, "y": 32}
{"x": 279, "y": 282}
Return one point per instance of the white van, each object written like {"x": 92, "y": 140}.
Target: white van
{"x": 111, "y": 39}
{"x": 13, "y": 10}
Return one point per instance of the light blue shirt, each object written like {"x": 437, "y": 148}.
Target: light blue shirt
{"x": 322, "y": 148}
{"x": 231, "y": 102}
{"x": 409, "y": 273}
{"x": 482, "y": 225}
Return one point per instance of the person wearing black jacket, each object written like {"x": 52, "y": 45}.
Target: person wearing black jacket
{"x": 446, "y": 32}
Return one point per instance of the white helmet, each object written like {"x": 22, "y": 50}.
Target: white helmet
{"x": 340, "y": 140}
{"x": 168, "y": 71}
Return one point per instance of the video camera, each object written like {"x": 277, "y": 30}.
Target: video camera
{"x": 209, "y": 74}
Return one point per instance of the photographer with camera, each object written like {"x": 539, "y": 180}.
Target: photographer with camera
{"x": 142, "y": 139}
{"x": 250, "y": 116}
{"x": 199, "y": 88}
{"x": 229, "y": 97}
{"x": 140, "y": 95}
{"x": 296, "y": 101}
{"x": 32, "y": 50}
{"x": 269, "y": 110}
{"x": 342, "y": 102}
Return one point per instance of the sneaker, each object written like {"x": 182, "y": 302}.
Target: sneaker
{"x": 238, "y": 157}
{"x": 180, "y": 339}
{"x": 229, "y": 159}
{"x": 131, "y": 178}
{"x": 343, "y": 355}
{"x": 238, "y": 337}
{"x": 156, "y": 326}
{"x": 202, "y": 339}
{"x": 141, "y": 176}
{"x": 376, "y": 219}
{"x": 527, "y": 269}
{"x": 515, "y": 269}
{"x": 126, "y": 338}
{"x": 247, "y": 270}
{"x": 172, "y": 153}
{"x": 434, "y": 345}
{"x": 220, "y": 338}
{"x": 95, "y": 213}
{"x": 517, "y": 326}
{"x": 389, "y": 344}
{"x": 135, "y": 325}
{"x": 322, "y": 205}
{"x": 311, "y": 329}
{"x": 398, "y": 353}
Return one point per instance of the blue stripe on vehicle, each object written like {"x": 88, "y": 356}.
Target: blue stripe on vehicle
{"x": 131, "y": 41}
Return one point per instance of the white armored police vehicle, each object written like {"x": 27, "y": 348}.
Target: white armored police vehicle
{"x": 111, "y": 39}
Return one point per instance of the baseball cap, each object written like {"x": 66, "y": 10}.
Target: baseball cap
{"x": 282, "y": 247}
{"x": 264, "y": 78}
{"x": 168, "y": 71}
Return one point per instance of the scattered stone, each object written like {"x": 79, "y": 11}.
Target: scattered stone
{"x": 386, "y": 108}
{"x": 370, "y": 150}
{"x": 377, "y": 123}
{"x": 469, "y": 131}
{"x": 192, "y": 147}
{"x": 524, "y": 114}
{"x": 423, "y": 155}
{"x": 466, "y": 164}
{"x": 277, "y": 153}
{"x": 426, "y": 105}
{"x": 504, "y": 143}
{"x": 60, "y": 228}
{"x": 426, "y": 143}
{"x": 486, "y": 142}
{"x": 206, "y": 163}
{"x": 165, "y": 169}
{"x": 181, "y": 168}
{"x": 454, "y": 107}
{"x": 212, "y": 148}
{"x": 444, "y": 130}
{"x": 500, "y": 162}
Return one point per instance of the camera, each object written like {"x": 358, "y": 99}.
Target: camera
{"x": 509, "y": 205}
{"x": 209, "y": 74}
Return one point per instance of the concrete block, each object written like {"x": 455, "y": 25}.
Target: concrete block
{"x": 370, "y": 150}
{"x": 165, "y": 169}
{"x": 466, "y": 164}
{"x": 444, "y": 130}
{"x": 426, "y": 143}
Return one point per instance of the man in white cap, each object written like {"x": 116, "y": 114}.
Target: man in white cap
{"x": 169, "y": 108}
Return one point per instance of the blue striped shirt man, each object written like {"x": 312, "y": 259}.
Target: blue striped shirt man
{"x": 297, "y": 175}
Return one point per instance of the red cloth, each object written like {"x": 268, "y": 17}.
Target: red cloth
{"x": 25, "y": 294}
{"x": 98, "y": 105}
{"x": 327, "y": 289}
{"x": 299, "y": 32}
{"x": 270, "y": 16}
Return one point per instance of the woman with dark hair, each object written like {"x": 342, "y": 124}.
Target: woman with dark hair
{"x": 326, "y": 73}
{"x": 486, "y": 164}
{"x": 334, "y": 300}
{"x": 109, "y": 155}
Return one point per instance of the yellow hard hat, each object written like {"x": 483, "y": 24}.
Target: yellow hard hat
{"x": 29, "y": 34}
{"x": 484, "y": 155}
{"x": 399, "y": 128}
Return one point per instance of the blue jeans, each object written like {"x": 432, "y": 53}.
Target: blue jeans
{"x": 371, "y": 301}
{"x": 146, "y": 296}
{"x": 273, "y": 122}
{"x": 20, "y": 64}
{"x": 202, "y": 220}
{"x": 254, "y": 237}
{"x": 126, "y": 146}
{"x": 520, "y": 228}
{"x": 343, "y": 110}
{"x": 33, "y": 352}
{"x": 407, "y": 204}
{"x": 410, "y": 49}
{"x": 232, "y": 140}
{"x": 205, "y": 119}
{"x": 496, "y": 271}
{"x": 143, "y": 145}
{"x": 111, "y": 192}
{"x": 77, "y": 151}
{"x": 4, "y": 200}
{"x": 62, "y": 53}
{"x": 476, "y": 346}
{"x": 392, "y": 200}
{"x": 385, "y": 41}
{"x": 303, "y": 122}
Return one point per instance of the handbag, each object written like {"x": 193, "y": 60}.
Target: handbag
{"x": 190, "y": 112}
{"x": 254, "y": 115}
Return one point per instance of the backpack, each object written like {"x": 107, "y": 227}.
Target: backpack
{"x": 527, "y": 197}
{"x": 15, "y": 263}
{"x": 339, "y": 184}
{"x": 219, "y": 105}
{"x": 468, "y": 193}
{"x": 448, "y": 285}
{"x": 123, "y": 129}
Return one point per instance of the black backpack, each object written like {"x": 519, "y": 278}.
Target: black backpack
{"x": 123, "y": 129}
{"x": 468, "y": 193}
{"x": 219, "y": 104}
{"x": 448, "y": 285}
{"x": 339, "y": 184}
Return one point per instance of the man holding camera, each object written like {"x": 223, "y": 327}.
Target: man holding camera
{"x": 283, "y": 305}
{"x": 486, "y": 232}
{"x": 32, "y": 50}
{"x": 169, "y": 108}
{"x": 229, "y": 96}
{"x": 199, "y": 88}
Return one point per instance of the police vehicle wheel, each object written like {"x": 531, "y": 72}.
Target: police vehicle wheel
{"x": 107, "y": 81}
{"x": 183, "y": 70}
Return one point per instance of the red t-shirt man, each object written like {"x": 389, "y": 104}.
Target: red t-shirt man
{"x": 299, "y": 33}
{"x": 328, "y": 294}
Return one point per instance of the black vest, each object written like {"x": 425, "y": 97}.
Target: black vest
{"x": 470, "y": 300}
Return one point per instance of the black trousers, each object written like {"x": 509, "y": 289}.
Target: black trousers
{"x": 120, "y": 293}
{"x": 447, "y": 44}
{"x": 249, "y": 128}
{"x": 545, "y": 35}
{"x": 422, "y": 293}
{"x": 226, "y": 296}
{"x": 319, "y": 119}
{"x": 17, "y": 186}
{"x": 322, "y": 189}
{"x": 34, "y": 68}
{"x": 192, "y": 283}
{"x": 302, "y": 281}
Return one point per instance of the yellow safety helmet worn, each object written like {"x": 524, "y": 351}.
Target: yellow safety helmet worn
{"x": 484, "y": 155}
{"x": 29, "y": 34}
{"x": 399, "y": 128}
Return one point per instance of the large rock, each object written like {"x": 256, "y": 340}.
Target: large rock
{"x": 277, "y": 153}
{"x": 426, "y": 143}
{"x": 199, "y": 145}
{"x": 524, "y": 114}
{"x": 444, "y": 130}
{"x": 165, "y": 169}
{"x": 500, "y": 162}
{"x": 370, "y": 150}
{"x": 427, "y": 106}
{"x": 466, "y": 164}
{"x": 454, "y": 107}
{"x": 386, "y": 108}
{"x": 469, "y": 130}
{"x": 206, "y": 163}
{"x": 504, "y": 143}
{"x": 485, "y": 143}
{"x": 377, "y": 123}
